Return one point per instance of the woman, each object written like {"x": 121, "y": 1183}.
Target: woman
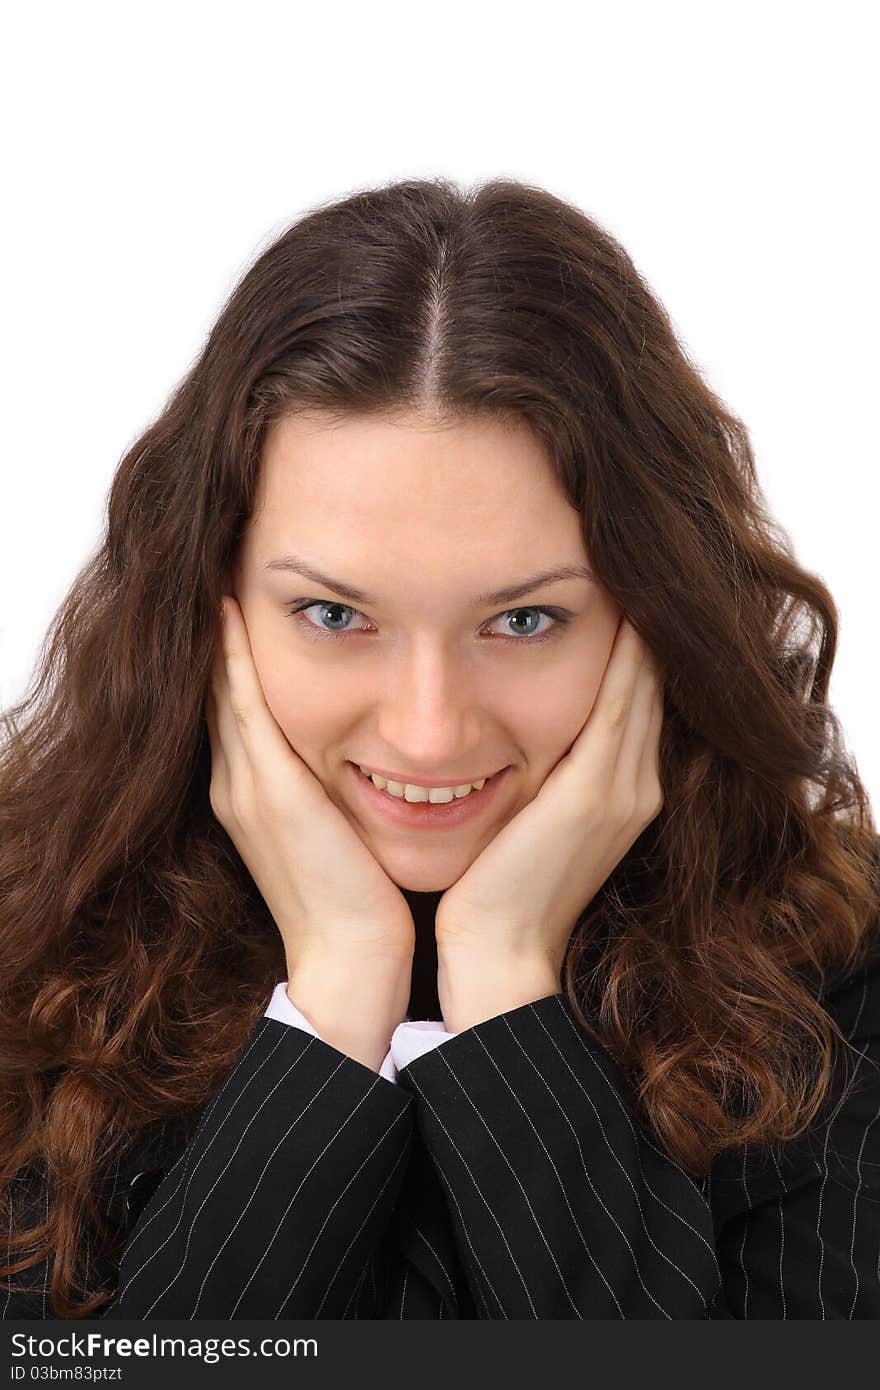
{"x": 595, "y": 1038}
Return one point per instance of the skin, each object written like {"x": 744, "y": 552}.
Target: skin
{"x": 420, "y": 682}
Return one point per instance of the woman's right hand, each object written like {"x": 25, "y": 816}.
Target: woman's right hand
{"x": 330, "y": 898}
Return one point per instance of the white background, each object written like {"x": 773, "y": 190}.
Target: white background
{"x": 151, "y": 153}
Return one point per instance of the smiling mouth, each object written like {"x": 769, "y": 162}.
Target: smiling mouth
{"x": 403, "y": 781}
{"x": 447, "y": 810}
{"x": 467, "y": 788}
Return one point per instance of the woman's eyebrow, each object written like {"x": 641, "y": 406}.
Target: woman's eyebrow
{"x": 294, "y": 564}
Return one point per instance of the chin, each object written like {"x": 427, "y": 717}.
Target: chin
{"x": 423, "y": 880}
{"x": 424, "y": 873}
{"x": 410, "y": 867}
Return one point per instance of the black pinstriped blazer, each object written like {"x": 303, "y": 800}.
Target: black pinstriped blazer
{"x": 504, "y": 1176}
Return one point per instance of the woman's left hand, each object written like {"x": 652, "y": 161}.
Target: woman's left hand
{"x": 516, "y": 906}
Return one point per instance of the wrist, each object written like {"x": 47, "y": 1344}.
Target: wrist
{"x": 473, "y": 988}
{"x": 374, "y": 994}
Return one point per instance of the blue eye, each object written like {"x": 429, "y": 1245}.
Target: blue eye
{"x": 559, "y": 617}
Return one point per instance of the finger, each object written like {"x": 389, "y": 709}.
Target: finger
{"x": 651, "y": 794}
{"x": 254, "y": 725}
{"x": 592, "y": 759}
{"x": 218, "y": 753}
{"x": 621, "y": 674}
{"x": 245, "y": 692}
{"x": 219, "y": 764}
{"x": 655, "y": 733}
{"x": 640, "y": 743}
{"x": 602, "y": 738}
{"x": 226, "y": 733}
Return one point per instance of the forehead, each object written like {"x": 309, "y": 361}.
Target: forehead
{"x": 328, "y": 479}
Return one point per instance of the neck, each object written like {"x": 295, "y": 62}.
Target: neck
{"x": 423, "y": 999}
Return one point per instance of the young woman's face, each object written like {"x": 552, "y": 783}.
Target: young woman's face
{"x": 421, "y": 680}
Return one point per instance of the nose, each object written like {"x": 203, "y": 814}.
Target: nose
{"x": 431, "y": 718}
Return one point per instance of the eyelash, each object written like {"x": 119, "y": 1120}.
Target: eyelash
{"x": 560, "y": 616}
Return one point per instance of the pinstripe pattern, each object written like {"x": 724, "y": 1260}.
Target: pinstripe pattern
{"x": 505, "y": 1175}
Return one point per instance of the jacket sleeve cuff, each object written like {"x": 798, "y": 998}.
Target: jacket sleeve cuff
{"x": 284, "y": 1011}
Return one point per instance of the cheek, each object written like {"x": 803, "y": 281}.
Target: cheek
{"x": 566, "y": 699}
{"x": 311, "y": 711}
{"x": 287, "y": 695}
{"x": 308, "y": 700}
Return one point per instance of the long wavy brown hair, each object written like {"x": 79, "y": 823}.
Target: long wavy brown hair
{"x": 136, "y": 953}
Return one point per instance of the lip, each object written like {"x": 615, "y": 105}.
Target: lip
{"x": 422, "y": 815}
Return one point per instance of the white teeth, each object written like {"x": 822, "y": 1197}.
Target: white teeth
{"x": 408, "y": 791}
